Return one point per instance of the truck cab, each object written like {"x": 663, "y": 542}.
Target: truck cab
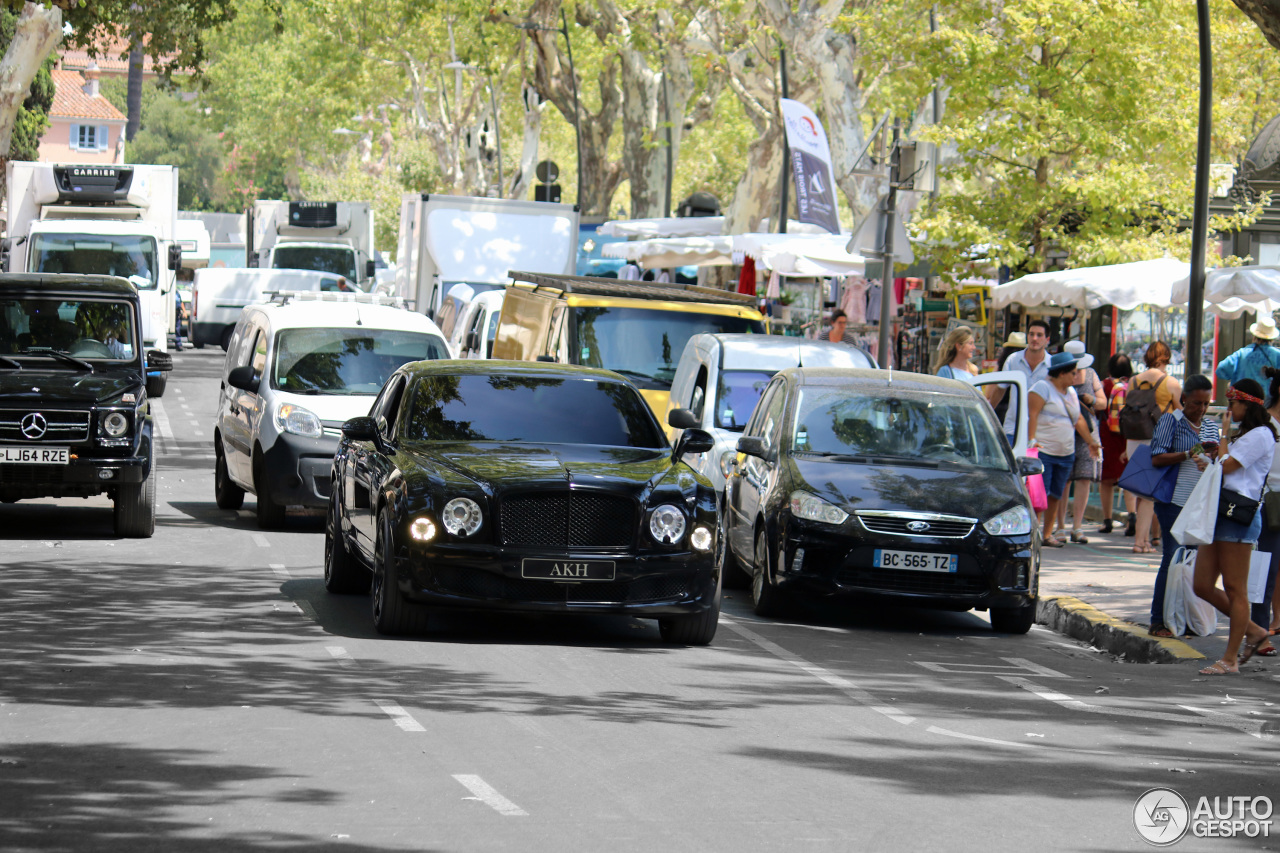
{"x": 324, "y": 236}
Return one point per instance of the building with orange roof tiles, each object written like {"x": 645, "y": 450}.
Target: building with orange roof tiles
{"x": 83, "y": 125}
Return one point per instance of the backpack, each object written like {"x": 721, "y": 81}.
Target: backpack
{"x": 1140, "y": 413}
{"x": 1115, "y": 405}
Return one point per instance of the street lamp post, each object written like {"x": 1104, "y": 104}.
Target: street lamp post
{"x": 563, "y": 29}
{"x": 1200, "y": 213}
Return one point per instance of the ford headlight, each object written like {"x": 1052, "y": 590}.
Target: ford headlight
{"x": 814, "y": 508}
{"x": 666, "y": 524}
{"x": 1011, "y": 522}
{"x": 297, "y": 420}
{"x": 462, "y": 516}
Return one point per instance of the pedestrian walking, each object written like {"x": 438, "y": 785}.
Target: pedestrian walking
{"x": 1054, "y": 414}
{"x": 1188, "y": 439}
{"x": 1114, "y": 387}
{"x": 180, "y": 314}
{"x": 1087, "y": 470}
{"x": 1152, "y": 393}
{"x": 952, "y": 361}
{"x": 1248, "y": 362}
{"x": 1034, "y": 362}
{"x": 1245, "y": 466}
{"x": 1268, "y": 611}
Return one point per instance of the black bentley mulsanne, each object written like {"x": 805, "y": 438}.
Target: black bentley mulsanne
{"x": 519, "y": 486}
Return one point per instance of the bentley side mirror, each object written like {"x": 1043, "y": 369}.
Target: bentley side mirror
{"x": 244, "y": 378}
{"x": 1028, "y": 467}
{"x": 693, "y": 440}
{"x": 360, "y": 429}
{"x": 753, "y": 445}
{"x": 682, "y": 419}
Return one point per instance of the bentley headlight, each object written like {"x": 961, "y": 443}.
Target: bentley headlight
{"x": 701, "y": 539}
{"x": 814, "y": 508}
{"x": 666, "y": 524}
{"x": 115, "y": 424}
{"x": 462, "y": 516}
{"x": 297, "y": 420}
{"x": 422, "y": 529}
{"x": 1011, "y": 522}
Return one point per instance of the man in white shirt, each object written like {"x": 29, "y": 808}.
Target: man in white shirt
{"x": 1033, "y": 361}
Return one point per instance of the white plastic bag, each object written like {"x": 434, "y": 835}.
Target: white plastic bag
{"x": 1184, "y": 611}
{"x": 1199, "y": 517}
{"x": 1259, "y": 568}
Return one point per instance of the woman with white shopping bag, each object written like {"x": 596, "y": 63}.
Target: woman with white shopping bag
{"x": 1244, "y": 468}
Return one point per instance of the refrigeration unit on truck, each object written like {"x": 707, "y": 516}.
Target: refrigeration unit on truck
{"x": 324, "y": 236}
{"x": 101, "y": 219}
{"x": 446, "y": 240}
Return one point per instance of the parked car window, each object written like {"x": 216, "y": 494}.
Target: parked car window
{"x": 771, "y": 426}
{"x": 851, "y": 421}
{"x": 387, "y": 406}
{"x": 756, "y": 416}
{"x": 737, "y": 392}
{"x": 641, "y": 342}
{"x": 499, "y": 407}
{"x": 346, "y": 361}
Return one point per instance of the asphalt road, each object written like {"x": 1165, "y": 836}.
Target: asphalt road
{"x": 200, "y": 691}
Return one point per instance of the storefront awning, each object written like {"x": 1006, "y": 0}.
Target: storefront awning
{"x": 1125, "y": 286}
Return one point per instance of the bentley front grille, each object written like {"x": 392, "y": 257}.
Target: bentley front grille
{"x": 472, "y": 583}
{"x": 573, "y": 519}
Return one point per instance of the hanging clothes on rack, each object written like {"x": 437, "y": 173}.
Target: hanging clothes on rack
{"x": 747, "y": 277}
{"x": 854, "y": 301}
{"x": 873, "y": 303}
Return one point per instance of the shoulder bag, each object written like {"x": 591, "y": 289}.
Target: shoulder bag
{"x": 1271, "y": 511}
{"x": 1234, "y": 506}
{"x": 1146, "y": 480}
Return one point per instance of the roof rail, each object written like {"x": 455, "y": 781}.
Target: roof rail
{"x": 634, "y": 289}
{"x": 284, "y": 297}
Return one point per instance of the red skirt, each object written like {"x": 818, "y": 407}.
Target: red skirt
{"x": 1113, "y": 447}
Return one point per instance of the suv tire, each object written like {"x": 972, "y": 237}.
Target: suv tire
{"x": 766, "y": 599}
{"x": 696, "y": 630}
{"x": 135, "y": 508}
{"x": 156, "y": 385}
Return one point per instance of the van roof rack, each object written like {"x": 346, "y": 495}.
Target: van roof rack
{"x": 284, "y": 297}
{"x": 634, "y": 289}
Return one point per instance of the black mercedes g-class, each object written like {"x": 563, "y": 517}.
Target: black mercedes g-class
{"x": 74, "y": 416}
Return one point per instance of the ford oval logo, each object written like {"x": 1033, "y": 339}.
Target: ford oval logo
{"x": 917, "y": 526}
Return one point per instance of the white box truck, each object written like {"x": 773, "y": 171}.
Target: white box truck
{"x": 446, "y": 240}
{"x": 220, "y": 294}
{"x": 104, "y": 219}
{"x": 325, "y": 236}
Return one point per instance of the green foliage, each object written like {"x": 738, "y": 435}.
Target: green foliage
{"x": 174, "y": 132}
{"x": 33, "y": 116}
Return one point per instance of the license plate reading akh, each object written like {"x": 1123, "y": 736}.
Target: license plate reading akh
{"x": 916, "y": 561}
{"x": 567, "y": 570}
{"x": 35, "y": 455}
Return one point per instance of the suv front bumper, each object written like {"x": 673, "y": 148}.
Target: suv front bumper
{"x": 81, "y": 477}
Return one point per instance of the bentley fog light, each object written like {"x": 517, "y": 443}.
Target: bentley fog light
{"x": 666, "y": 524}
{"x": 462, "y": 516}
{"x": 115, "y": 424}
{"x": 297, "y": 420}
{"x": 1011, "y": 522}
{"x": 422, "y": 529}
{"x": 701, "y": 538}
{"x": 814, "y": 508}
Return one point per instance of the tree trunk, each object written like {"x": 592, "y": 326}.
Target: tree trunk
{"x": 756, "y": 196}
{"x": 533, "y": 105}
{"x": 36, "y": 32}
{"x": 135, "y": 92}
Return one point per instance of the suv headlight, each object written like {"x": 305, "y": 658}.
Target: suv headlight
{"x": 814, "y": 508}
{"x": 115, "y": 424}
{"x": 1011, "y": 522}
{"x": 462, "y": 516}
{"x": 297, "y": 420}
{"x": 666, "y": 524}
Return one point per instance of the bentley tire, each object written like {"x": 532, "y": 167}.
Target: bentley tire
{"x": 696, "y": 630}
{"x": 342, "y": 573}
{"x": 270, "y": 513}
{"x": 226, "y": 493}
{"x": 392, "y": 613}
{"x": 135, "y": 508}
{"x": 766, "y": 599}
{"x": 1013, "y": 620}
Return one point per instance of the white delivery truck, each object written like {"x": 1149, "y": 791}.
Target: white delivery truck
{"x": 446, "y": 240}
{"x": 101, "y": 218}
{"x": 325, "y": 236}
{"x": 220, "y": 294}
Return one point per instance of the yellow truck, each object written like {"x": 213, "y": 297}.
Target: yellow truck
{"x": 636, "y": 328}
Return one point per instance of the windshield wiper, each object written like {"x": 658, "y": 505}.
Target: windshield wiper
{"x": 10, "y": 362}
{"x": 637, "y": 374}
{"x": 60, "y": 356}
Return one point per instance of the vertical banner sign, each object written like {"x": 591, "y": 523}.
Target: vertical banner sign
{"x": 811, "y": 165}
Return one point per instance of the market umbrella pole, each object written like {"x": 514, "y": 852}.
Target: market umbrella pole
{"x": 886, "y": 277}
{"x": 1200, "y": 216}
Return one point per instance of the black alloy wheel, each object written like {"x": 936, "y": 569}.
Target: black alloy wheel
{"x": 225, "y": 493}
{"x": 392, "y": 614}
{"x": 700, "y": 628}
{"x": 343, "y": 574}
{"x": 766, "y": 598}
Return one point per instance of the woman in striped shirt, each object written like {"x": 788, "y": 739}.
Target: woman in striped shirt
{"x": 1178, "y": 438}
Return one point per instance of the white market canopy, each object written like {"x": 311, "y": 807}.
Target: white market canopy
{"x": 1125, "y": 286}
{"x": 819, "y": 255}
{"x": 671, "y": 226}
{"x": 1230, "y": 291}
{"x": 662, "y": 253}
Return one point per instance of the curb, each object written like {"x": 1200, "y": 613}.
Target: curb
{"x": 1073, "y": 617}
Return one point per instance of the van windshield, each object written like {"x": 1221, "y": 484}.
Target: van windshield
{"x": 643, "y": 344}
{"x": 128, "y": 256}
{"x": 339, "y": 260}
{"x": 353, "y": 362}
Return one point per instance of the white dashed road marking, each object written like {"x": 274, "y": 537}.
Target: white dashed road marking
{"x": 261, "y": 541}
{"x": 1019, "y": 666}
{"x": 341, "y": 655}
{"x": 281, "y": 572}
{"x": 486, "y": 794}
{"x": 401, "y": 717}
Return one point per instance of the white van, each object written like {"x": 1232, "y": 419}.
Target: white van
{"x": 476, "y": 328}
{"x": 293, "y": 374}
{"x": 218, "y": 295}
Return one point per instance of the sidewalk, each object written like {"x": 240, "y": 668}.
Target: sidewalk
{"x": 1101, "y": 593}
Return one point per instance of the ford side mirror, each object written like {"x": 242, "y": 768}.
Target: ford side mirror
{"x": 682, "y": 419}
{"x": 753, "y": 445}
{"x": 693, "y": 440}
{"x": 1028, "y": 467}
{"x": 360, "y": 429}
{"x": 175, "y": 257}
{"x": 243, "y": 378}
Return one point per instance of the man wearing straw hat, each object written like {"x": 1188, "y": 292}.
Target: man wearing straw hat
{"x": 1248, "y": 362}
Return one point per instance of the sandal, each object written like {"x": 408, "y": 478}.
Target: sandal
{"x": 1053, "y": 543}
{"x": 1220, "y": 668}
{"x": 1143, "y": 549}
{"x": 1160, "y": 631}
{"x": 1268, "y": 652}
{"x": 1251, "y": 649}
{"x": 1079, "y": 538}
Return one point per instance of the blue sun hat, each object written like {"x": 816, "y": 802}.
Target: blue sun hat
{"x": 1062, "y": 359}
